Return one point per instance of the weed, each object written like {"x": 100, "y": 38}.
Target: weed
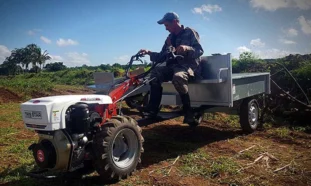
{"x": 16, "y": 174}
{"x": 282, "y": 132}
{"x": 209, "y": 116}
{"x": 200, "y": 163}
{"x": 5, "y": 131}
{"x": 137, "y": 181}
{"x": 246, "y": 155}
{"x": 224, "y": 165}
{"x": 300, "y": 128}
{"x": 232, "y": 120}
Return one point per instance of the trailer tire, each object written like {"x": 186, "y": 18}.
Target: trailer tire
{"x": 249, "y": 115}
{"x": 117, "y": 148}
{"x": 137, "y": 101}
{"x": 198, "y": 117}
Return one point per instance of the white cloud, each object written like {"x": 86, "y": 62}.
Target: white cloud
{"x": 303, "y": 4}
{"x": 273, "y": 53}
{"x": 305, "y": 25}
{"x": 46, "y": 40}
{"x": 55, "y": 58}
{"x": 291, "y": 32}
{"x": 76, "y": 59}
{"x": 64, "y": 42}
{"x": 257, "y": 43}
{"x": 286, "y": 41}
{"x": 30, "y": 32}
{"x": 4, "y": 52}
{"x": 72, "y": 59}
{"x": 122, "y": 59}
{"x": 33, "y": 31}
{"x": 269, "y": 5}
{"x": 206, "y": 9}
{"x": 242, "y": 49}
{"x": 272, "y": 5}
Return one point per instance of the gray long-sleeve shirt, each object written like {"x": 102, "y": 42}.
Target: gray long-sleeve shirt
{"x": 188, "y": 37}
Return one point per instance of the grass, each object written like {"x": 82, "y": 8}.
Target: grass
{"x": 13, "y": 147}
{"x": 6, "y": 139}
{"x": 301, "y": 128}
{"x": 16, "y": 153}
{"x": 10, "y": 113}
{"x": 281, "y": 132}
{"x": 136, "y": 181}
{"x": 17, "y": 174}
{"x": 26, "y": 87}
{"x": 232, "y": 120}
{"x": 200, "y": 163}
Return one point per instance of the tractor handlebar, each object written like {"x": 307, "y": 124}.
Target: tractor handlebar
{"x": 137, "y": 57}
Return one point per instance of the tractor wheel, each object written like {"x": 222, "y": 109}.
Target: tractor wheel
{"x": 117, "y": 148}
{"x": 249, "y": 115}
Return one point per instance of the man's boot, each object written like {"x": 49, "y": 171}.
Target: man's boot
{"x": 188, "y": 113}
{"x": 152, "y": 108}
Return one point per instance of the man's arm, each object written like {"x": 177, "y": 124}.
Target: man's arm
{"x": 195, "y": 49}
{"x": 158, "y": 57}
{"x": 161, "y": 57}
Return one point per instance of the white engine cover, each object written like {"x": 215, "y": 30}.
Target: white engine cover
{"x": 48, "y": 113}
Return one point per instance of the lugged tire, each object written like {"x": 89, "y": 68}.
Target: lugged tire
{"x": 106, "y": 141}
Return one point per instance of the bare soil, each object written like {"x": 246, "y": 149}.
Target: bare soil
{"x": 7, "y": 96}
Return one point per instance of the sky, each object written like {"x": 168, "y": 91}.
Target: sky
{"x": 94, "y": 32}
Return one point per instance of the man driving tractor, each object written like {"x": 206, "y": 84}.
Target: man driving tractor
{"x": 182, "y": 41}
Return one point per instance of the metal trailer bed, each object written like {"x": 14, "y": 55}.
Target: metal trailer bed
{"x": 218, "y": 86}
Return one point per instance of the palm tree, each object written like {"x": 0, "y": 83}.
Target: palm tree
{"x": 33, "y": 52}
{"x": 36, "y": 56}
{"x": 26, "y": 57}
{"x": 20, "y": 56}
{"x": 43, "y": 58}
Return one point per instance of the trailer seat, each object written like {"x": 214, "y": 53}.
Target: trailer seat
{"x": 214, "y": 69}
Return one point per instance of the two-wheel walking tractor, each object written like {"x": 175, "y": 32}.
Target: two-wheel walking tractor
{"x": 87, "y": 131}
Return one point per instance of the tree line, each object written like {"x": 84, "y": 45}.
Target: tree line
{"x": 21, "y": 58}
{"x": 32, "y": 56}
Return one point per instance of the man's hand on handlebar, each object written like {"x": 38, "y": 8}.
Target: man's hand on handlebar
{"x": 144, "y": 52}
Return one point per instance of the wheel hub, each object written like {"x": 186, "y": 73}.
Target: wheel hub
{"x": 252, "y": 115}
{"x": 125, "y": 145}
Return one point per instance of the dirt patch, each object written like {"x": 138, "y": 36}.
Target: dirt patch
{"x": 70, "y": 90}
{"x": 65, "y": 90}
{"x": 7, "y": 96}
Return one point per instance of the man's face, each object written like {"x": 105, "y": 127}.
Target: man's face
{"x": 169, "y": 26}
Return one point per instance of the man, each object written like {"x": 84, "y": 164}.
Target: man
{"x": 183, "y": 41}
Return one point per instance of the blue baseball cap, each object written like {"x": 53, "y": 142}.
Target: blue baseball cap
{"x": 170, "y": 16}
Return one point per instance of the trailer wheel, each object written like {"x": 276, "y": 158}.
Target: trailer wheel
{"x": 117, "y": 147}
{"x": 249, "y": 115}
{"x": 137, "y": 101}
{"x": 198, "y": 116}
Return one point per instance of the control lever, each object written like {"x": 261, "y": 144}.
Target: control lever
{"x": 171, "y": 55}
